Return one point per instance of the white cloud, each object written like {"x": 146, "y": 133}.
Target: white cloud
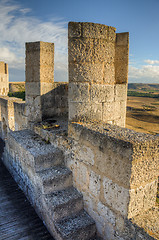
{"x": 152, "y": 62}
{"x": 145, "y": 73}
{"x": 16, "y": 28}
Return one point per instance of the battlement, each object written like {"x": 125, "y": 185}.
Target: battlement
{"x": 4, "y": 79}
{"x": 98, "y": 73}
{"x": 80, "y": 140}
{"x": 3, "y": 68}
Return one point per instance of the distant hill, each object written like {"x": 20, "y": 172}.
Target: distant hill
{"x": 143, "y": 87}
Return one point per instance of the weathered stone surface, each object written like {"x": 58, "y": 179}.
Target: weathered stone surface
{"x": 96, "y": 54}
{"x": 39, "y": 77}
{"x": 4, "y": 79}
{"x": 79, "y": 92}
{"x": 102, "y": 93}
{"x": 121, "y": 58}
{"x": 64, "y": 203}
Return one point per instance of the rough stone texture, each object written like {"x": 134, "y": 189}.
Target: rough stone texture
{"x": 149, "y": 221}
{"x": 116, "y": 171}
{"x": 38, "y": 168}
{"x": 20, "y": 118}
{"x": 39, "y": 77}
{"x": 55, "y": 102}
{"x": 121, "y": 57}
{"x": 12, "y": 115}
{"x": 96, "y": 54}
{"x": 4, "y": 79}
{"x": 128, "y": 165}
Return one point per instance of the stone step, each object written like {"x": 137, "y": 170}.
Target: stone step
{"x": 79, "y": 227}
{"x": 62, "y": 204}
{"x": 38, "y": 153}
{"x": 49, "y": 159}
{"x": 54, "y": 179}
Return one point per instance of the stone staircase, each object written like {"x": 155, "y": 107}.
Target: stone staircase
{"x": 60, "y": 204}
{"x": 64, "y": 204}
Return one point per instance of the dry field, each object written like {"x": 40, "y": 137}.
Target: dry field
{"x": 143, "y": 114}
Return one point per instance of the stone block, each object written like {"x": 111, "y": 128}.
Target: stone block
{"x": 106, "y": 213}
{"x": 121, "y": 72}
{"x": 120, "y": 110}
{"x": 109, "y": 73}
{"x": 122, "y": 39}
{"x": 39, "y": 62}
{"x": 116, "y": 196}
{"x": 78, "y": 110}
{"x": 78, "y": 92}
{"x": 81, "y": 50}
{"x": 46, "y": 88}
{"x": 142, "y": 198}
{"x": 122, "y": 53}
{"x": 120, "y": 92}
{"x": 3, "y": 67}
{"x": 93, "y": 30}
{"x": 121, "y": 58}
{"x": 82, "y": 176}
{"x": 94, "y": 184}
{"x": 32, "y": 73}
{"x": 84, "y": 154}
{"x": 97, "y": 92}
{"x": 74, "y": 29}
{"x": 96, "y": 111}
{"x": 112, "y": 34}
{"x": 91, "y": 73}
{"x": 32, "y": 89}
{"x": 108, "y": 111}
{"x": 46, "y": 74}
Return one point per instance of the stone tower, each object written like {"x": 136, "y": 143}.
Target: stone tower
{"x": 4, "y": 79}
{"x": 39, "y": 77}
{"x": 98, "y": 72}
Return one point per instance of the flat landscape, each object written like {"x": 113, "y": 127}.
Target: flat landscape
{"x": 143, "y": 108}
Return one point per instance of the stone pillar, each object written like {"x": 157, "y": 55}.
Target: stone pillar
{"x": 39, "y": 77}
{"x": 93, "y": 90}
{"x": 4, "y": 79}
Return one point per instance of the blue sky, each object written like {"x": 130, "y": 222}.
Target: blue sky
{"x": 31, "y": 20}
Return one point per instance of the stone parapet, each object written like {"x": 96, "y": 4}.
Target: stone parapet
{"x": 4, "y": 79}
{"x": 121, "y": 58}
{"x": 99, "y": 102}
{"x": 124, "y": 161}
{"x": 91, "y": 49}
{"x": 116, "y": 170}
{"x": 98, "y": 64}
{"x": 39, "y": 77}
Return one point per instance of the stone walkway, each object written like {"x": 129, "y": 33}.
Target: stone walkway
{"x": 18, "y": 220}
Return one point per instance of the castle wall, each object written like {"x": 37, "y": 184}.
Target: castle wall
{"x": 4, "y": 79}
{"x": 20, "y": 118}
{"x": 39, "y": 77}
{"x": 12, "y": 115}
{"x": 96, "y": 91}
{"x": 55, "y": 102}
{"x": 121, "y": 58}
{"x": 116, "y": 171}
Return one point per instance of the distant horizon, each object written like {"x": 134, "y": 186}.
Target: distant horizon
{"x": 67, "y": 81}
{"x": 29, "y": 21}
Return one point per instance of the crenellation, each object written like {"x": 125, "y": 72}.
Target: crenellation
{"x": 4, "y": 79}
{"x": 121, "y": 58}
{"x": 81, "y": 136}
{"x": 95, "y": 59}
